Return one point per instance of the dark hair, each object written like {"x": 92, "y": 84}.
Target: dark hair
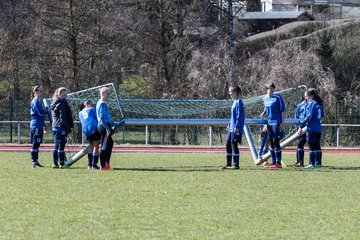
{"x": 82, "y": 106}
{"x": 312, "y": 92}
{"x": 236, "y": 88}
{"x": 34, "y": 89}
{"x": 270, "y": 84}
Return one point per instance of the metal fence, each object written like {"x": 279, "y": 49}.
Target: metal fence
{"x": 211, "y": 134}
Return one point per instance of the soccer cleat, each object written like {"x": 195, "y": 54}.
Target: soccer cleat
{"x": 55, "y": 166}
{"x": 226, "y": 167}
{"x": 309, "y": 166}
{"x": 317, "y": 166}
{"x": 298, "y": 165}
{"x": 107, "y": 167}
{"x": 235, "y": 167}
{"x": 90, "y": 168}
{"x": 36, "y": 165}
{"x": 275, "y": 166}
{"x": 95, "y": 167}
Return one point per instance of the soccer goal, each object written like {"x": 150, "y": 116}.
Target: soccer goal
{"x": 75, "y": 99}
{"x": 172, "y": 112}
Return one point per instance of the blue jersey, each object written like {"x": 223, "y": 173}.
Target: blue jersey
{"x": 103, "y": 115}
{"x": 88, "y": 120}
{"x": 300, "y": 112}
{"x": 38, "y": 113}
{"x": 274, "y": 107}
{"x": 237, "y": 116}
{"x": 313, "y": 114}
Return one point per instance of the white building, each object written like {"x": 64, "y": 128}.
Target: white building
{"x": 320, "y": 9}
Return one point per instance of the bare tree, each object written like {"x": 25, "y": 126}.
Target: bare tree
{"x": 230, "y": 8}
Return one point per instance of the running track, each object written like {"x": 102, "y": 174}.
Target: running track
{"x": 26, "y": 148}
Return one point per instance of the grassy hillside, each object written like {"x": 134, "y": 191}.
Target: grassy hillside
{"x": 318, "y": 54}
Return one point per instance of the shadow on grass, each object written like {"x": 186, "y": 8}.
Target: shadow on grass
{"x": 175, "y": 169}
{"x": 335, "y": 168}
{"x": 219, "y": 169}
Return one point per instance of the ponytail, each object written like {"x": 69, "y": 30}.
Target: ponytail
{"x": 312, "y": 92}
{"x": 34, "y": 89}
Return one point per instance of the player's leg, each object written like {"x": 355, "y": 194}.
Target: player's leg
{"x": 277, "y": 137}
{"x": 228, "y": 151}
{"x": 236, "y": 153}
{"x": 36, "y": 136}
{"x": 96, "y": 154}
{"x": 55, "y": 155}
{"x": 300, "y": 152}
{"x": 90, "y": 155}
{"x": 271, "y": 135}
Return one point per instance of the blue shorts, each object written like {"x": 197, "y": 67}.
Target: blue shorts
{"x": 60, "y": 136}
{"x": 95, "y": 136}
{"x": 313, "y": 137}
{"x": 274, "y": 133}
{"x": 234, "y": 138}
{"x": 36, "y": 135}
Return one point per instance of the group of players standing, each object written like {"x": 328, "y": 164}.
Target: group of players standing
{"x": 308, "y": 113}
{"x": 97, "y": 126}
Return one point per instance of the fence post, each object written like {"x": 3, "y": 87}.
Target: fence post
{"x": 146, "y": 135}
{"x": 19, "y": 133}
{"x": 11, "y": 118}
{"x": 337, "y": 136}
{"x": 210, "y": 136}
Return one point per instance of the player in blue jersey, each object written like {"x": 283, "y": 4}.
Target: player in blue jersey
{"x": 105, "y": 128}
{"x": 300, "y": 114}
{"x": 313, "y": 114}
{"x": 37, "y": 123}
{"x": 234, "y": 129}
{"x": 89, "y": 123}
{"x": 62, "y": 123}
{"x": 274, "y": 110}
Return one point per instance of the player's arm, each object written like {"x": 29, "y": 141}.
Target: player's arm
{"x": 240, "y": 117}
{"x": 38, "y": 108}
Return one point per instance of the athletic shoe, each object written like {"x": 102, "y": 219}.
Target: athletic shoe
{"x": 309, "y": 166}
{"x": 235, "y": 168}
{"x": 36, "y": 165}
{"x": 64, "y": 166}
{"x": 90, "y": 168}
{"x": 317, "y": 166}
{"x": 227, "y": 167}
{"x": 275, "y": 166}
{"x": 55, "y": 166}
{"x": 107, "y": 167}
{"x": 95, "y": 167}
{"x": 298, "y": 165}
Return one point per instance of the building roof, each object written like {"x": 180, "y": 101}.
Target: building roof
{"x": 351, "y": 3}
{"x": 272, "y": 15}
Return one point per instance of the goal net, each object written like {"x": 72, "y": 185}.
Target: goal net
{"x": 165, "y": 109}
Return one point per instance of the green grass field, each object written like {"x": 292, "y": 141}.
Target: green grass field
{"x": 179, "y": 196}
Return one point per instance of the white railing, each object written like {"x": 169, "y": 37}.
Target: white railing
{"x": 189, "y": 122}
